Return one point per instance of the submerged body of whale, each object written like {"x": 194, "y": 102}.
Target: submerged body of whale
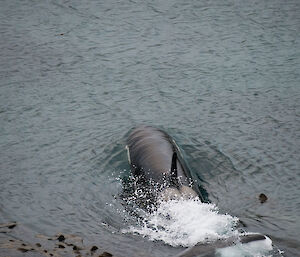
{"x": 230, "y": 247}
{"x": 156, "y": 161}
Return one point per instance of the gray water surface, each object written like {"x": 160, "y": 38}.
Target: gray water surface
{"x": 222, "y": 77}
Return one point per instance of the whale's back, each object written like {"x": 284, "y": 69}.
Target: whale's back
{"x": 151, "y": 152}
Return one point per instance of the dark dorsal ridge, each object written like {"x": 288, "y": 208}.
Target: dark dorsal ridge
{"x": 174, "y": 164}
{"x": 173, "y": 177}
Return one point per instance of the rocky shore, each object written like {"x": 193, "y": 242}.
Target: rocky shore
{"x": 17, "y": 240}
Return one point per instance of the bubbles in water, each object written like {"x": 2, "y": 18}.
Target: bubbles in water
{"x": 185, "y": 223}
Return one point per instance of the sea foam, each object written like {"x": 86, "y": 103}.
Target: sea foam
{"x": 186, "y": 223}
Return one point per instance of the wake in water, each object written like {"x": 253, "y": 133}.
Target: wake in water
{"x": 185, "y": 223}
{"x": 199, "y": 226}
{"x": 169, "y": 205}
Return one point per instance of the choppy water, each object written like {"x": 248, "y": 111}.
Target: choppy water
{"x": 222, "y": 77}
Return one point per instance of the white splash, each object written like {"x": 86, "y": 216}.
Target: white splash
{"x": 185, "y": 223}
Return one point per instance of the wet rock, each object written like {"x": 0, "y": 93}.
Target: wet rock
{"x": 23, "y": 242}
{"x": 94, "y": 248}
{"x": 12, "y": 226}
{"x": 43, "y": 237}
{"x": 72, "y": 240}
{"x": 61, "y": 238}
{"x": 105, "y": 254}
{"x": 23, "y": 250}
{"x": 7, "y": 227}
{"x": 262, "y": 198}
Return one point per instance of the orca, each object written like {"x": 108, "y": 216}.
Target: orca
{"x": 158, "y": 166}
{"x": 161, "y": 173}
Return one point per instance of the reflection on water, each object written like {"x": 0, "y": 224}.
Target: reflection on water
{"x": 221, "y": 77}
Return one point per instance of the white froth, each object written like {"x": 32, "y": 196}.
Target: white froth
{"x": 185, "y": 223}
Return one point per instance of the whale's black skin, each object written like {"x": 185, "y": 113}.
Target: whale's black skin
{"x": 154, "y": 156}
